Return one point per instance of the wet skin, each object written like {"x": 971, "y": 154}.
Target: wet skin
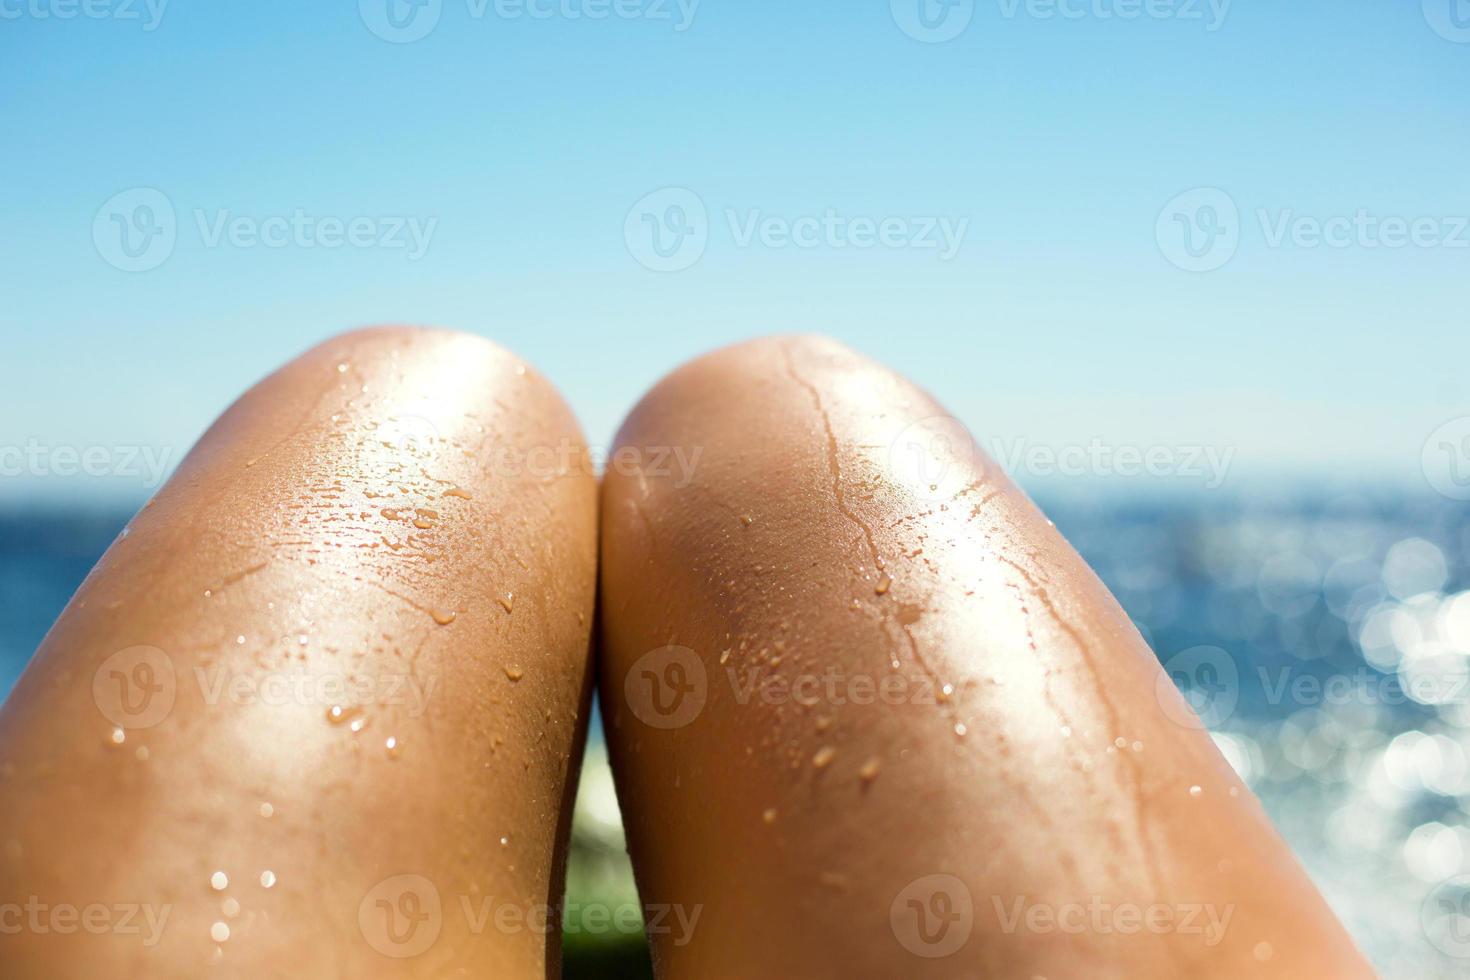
{"x": 871, "y": 715}
{"x": 343, "y": 653}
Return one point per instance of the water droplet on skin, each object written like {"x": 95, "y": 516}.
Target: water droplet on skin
{"x": 219, "y": 881}
{"x": 505, "y": 842}
{"x": 358, "y": 724}
{"x": 747, "y": 520}
{"x": 1120, "y": 742}
{"x": 392, "y": 746}
{"x": 458, "y": 492}
{"x": 219, "y": 932}
{"x": 267, "y": 879}
{"x": 1195, "y": 791}
{"x": 301, "y": 640}
{"x": 119, "y": 736}
{"x": 514, "y": 673}
{"x": 823, "y": 757}
{"x": 230, "y": 908}
{"x": 769, "y": 816}
{"x": 883, "y": 583}
{"x": 960, "y": 729}
{"x": 240, "y": 640}
{"x": 444, "y": 617}
{"x": 1066, "y": 731}
{"x": 869, "y": 771}
{"x": 342, "y": 368}
{"x": 1137, "y": 746}
{"x": 508, "y": 601}
{"x": 337, "y": 714}
{"x": 266, "y": 810}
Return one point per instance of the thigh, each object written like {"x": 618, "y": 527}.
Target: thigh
{"x": 870, "y": 715}
{"x": 316, "y": 713}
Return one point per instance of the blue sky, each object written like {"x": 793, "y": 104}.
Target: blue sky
{"x": 1053, "y": 140}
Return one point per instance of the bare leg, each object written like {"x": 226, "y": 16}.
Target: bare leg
{"x": 902, "y": 729}
{"x": 320, "y": 703}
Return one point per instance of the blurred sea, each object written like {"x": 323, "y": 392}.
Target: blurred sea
{"x": 1325, "y": 638}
